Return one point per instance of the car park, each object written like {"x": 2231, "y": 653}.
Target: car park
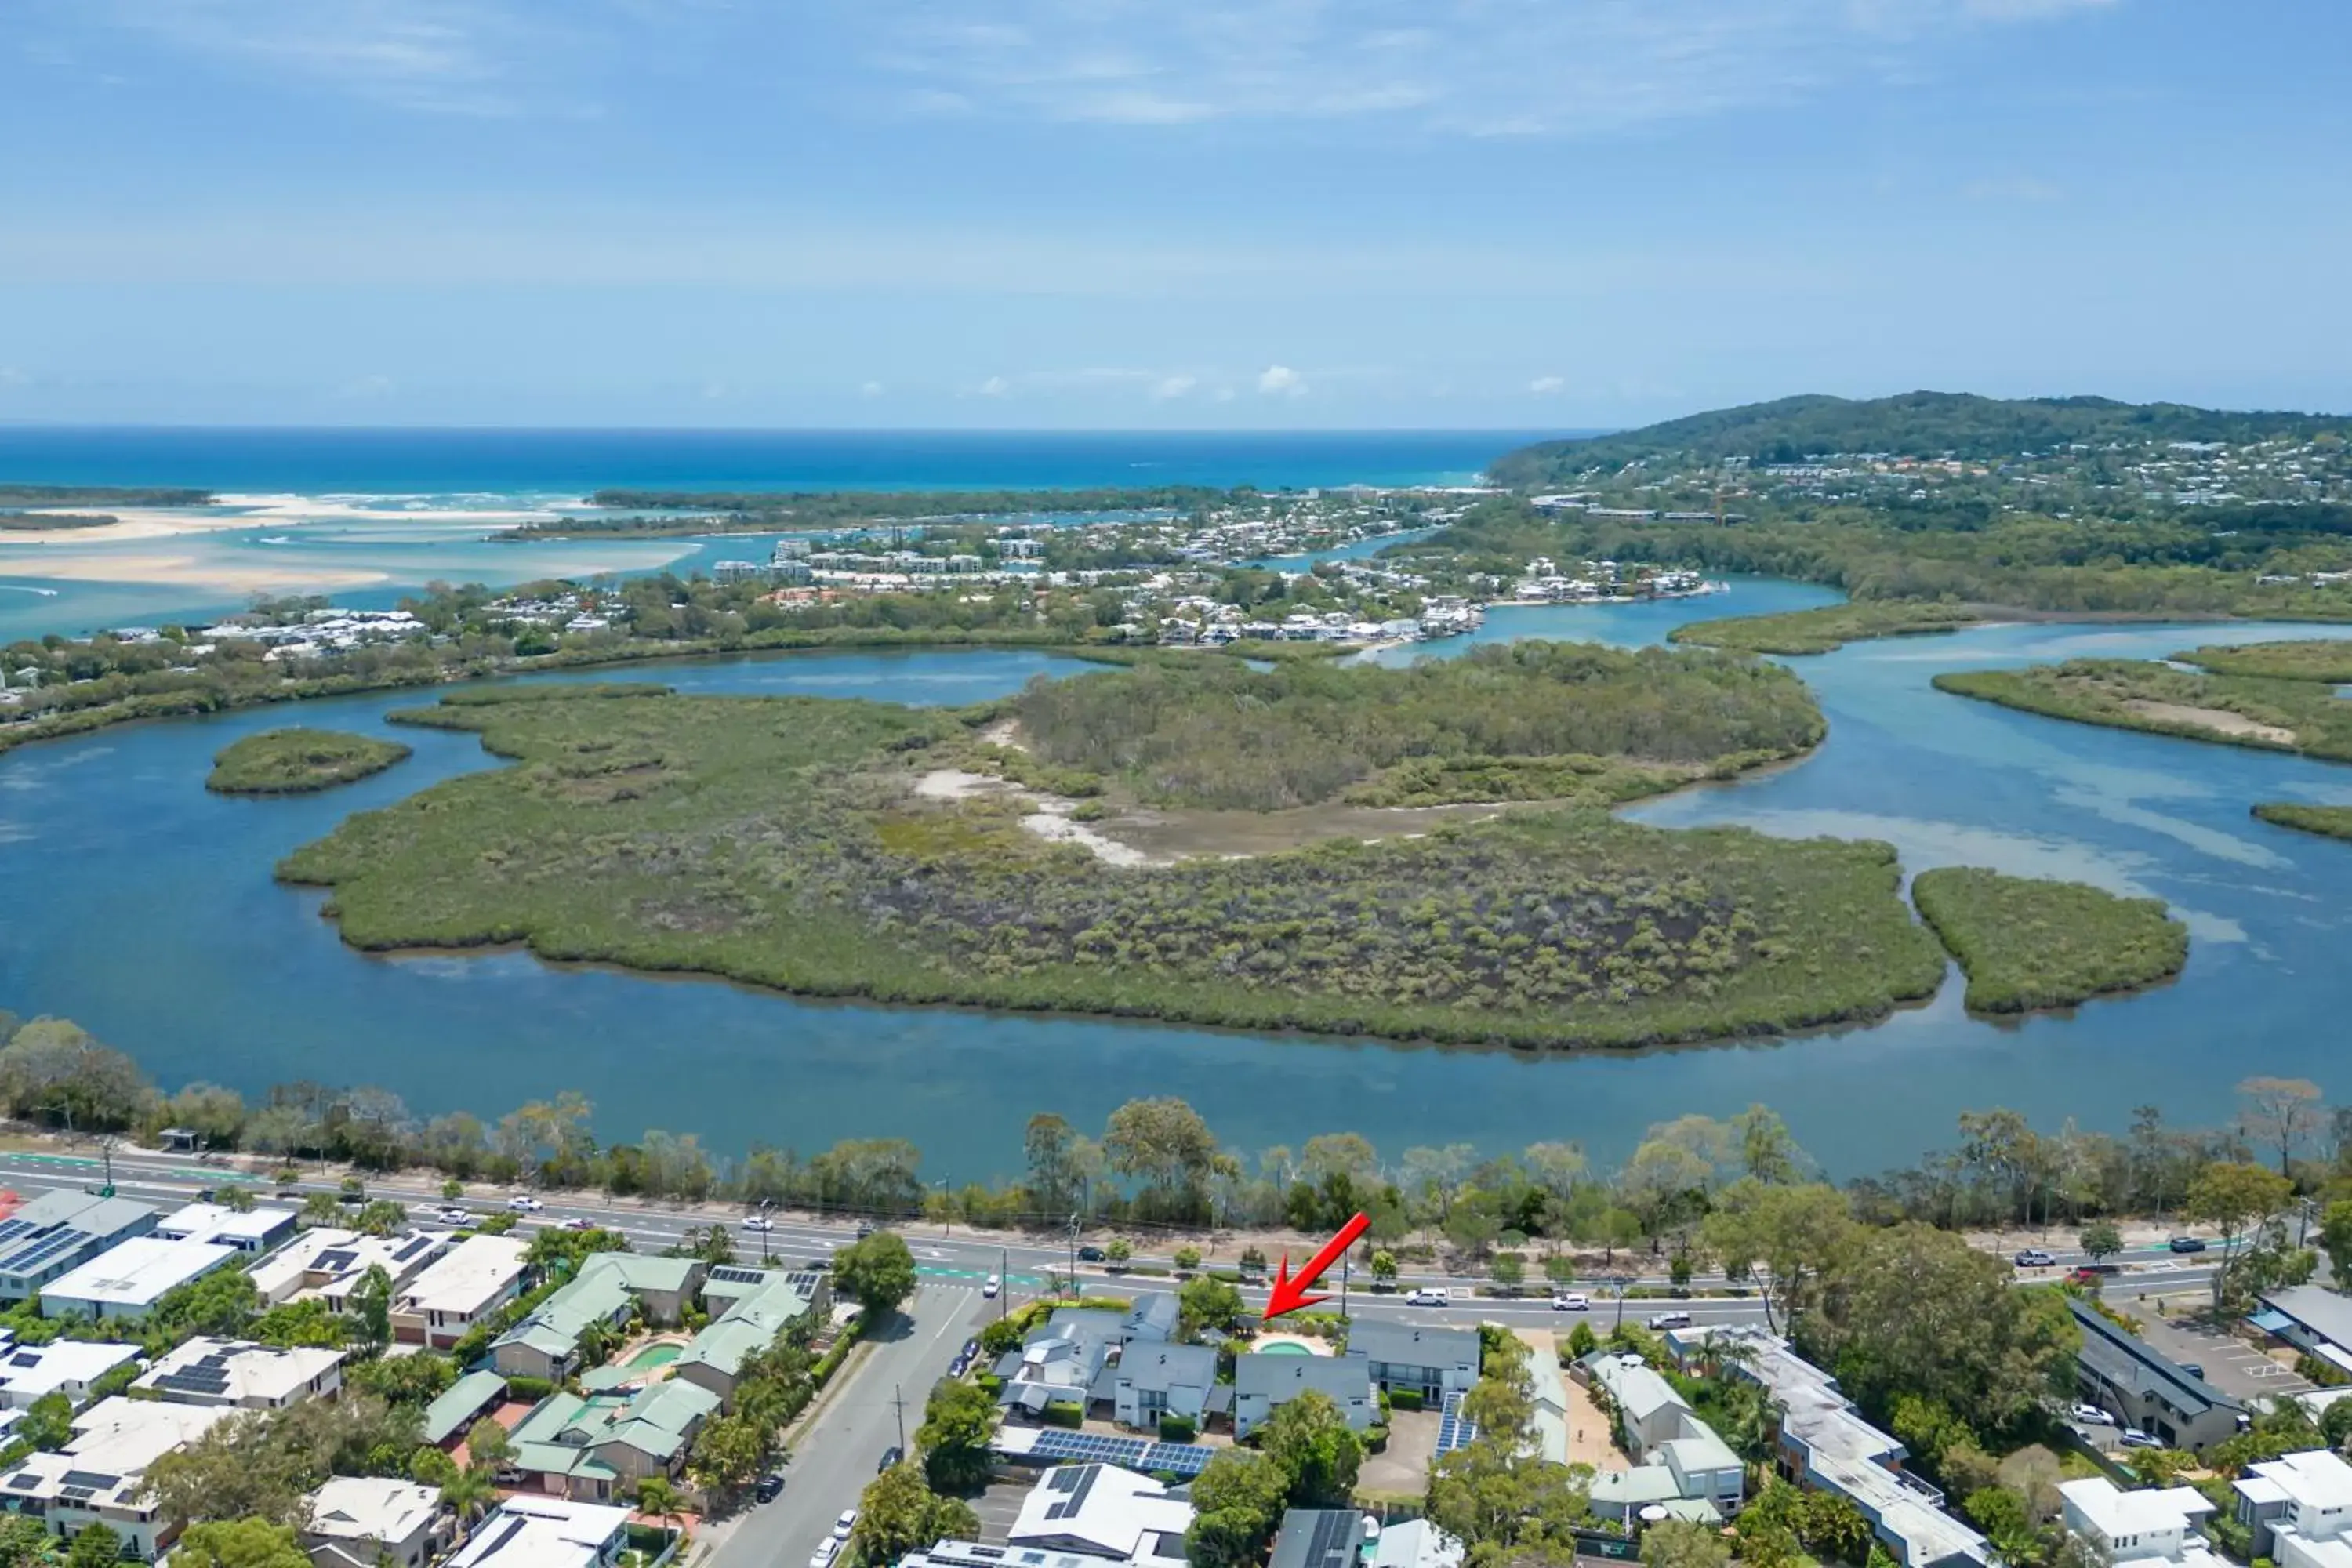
{"x": 1571, "y": 1301}
{"x": 1663, "y": 1320}
{"x": 769, "y": 1485}
{"x": 2091, "y": 1416}
{"x": 991, "y": 1286}
{"x": 523, "y": 1203}
{"x": 2186, "y": 1244}
{"x": 1427, "y": 1296}
{"x": 2033, "y": 1257}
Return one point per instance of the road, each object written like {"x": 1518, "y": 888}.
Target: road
{"x": 844, "y": 1444}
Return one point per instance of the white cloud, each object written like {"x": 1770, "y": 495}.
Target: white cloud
{"x": 1543, "y": 385}
{"x": 366, "y": 388}
{"x": 871, "y": 389}
{"x": 1173, "y": 387}
{"x": 1281, "y": 381}
{"x": 995, "y": 386}
{"x": 2017, "y": 188}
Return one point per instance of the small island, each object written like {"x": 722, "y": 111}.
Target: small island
{"x": 2025, "y": 944}
{"x": 2327, "y": 821}
{"x": 300, "y": 761}
{"x": 2269, "y": 711}
{"x": 1831, "y": 626}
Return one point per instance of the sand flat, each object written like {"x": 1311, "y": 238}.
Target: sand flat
{"x": 2220, "y": 720}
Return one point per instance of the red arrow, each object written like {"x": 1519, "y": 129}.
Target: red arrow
{"x": 1290, "y": 1295}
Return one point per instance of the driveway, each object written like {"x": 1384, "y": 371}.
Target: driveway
{"x": 1402, "y": 1468}
{"x": 2231, "y": 1365}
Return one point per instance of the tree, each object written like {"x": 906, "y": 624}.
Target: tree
{"x": 1309, "y": 1437}
{"x": 237, "y": 1199}
{"x": 877, "y": 1272}
{"x": 2279, "y": 1111}
{"x": 47, "y": 1422}
{"x": 1237, "y": 1500}
{"x": 371, "y": 1307}
{"x": 898, "y": 1514}
{"x": 2001, "y": 1514}
{"x": 957, "y": 1422}
{"x": 489, "y": 1445}
{"x": 240, "y": 1544}
{"x": 1678, "y": 1543}
{"x": 1384, "y": 1267}
{"x": 2237, "y": 1200}
{"x": 1788, "y": 1235}
{"x": 730, "y": 1451}
{"x": 1209, "y": 1303}
{"x": 1051, "y": 1144}
{"x": 1582, "y": 1340}
{"x": 23, "y": 1540}
{"x": 658, "y": 1498}
{"x": 321, "y": 1209}
{"x": 96, "y": 1546}
{"x": 2336, "y": 1241}
{"x": 57, "y": 1073}
{"x": 1118, "y": 1250}
{"x": 2101, "y": 1240}
{"x": 467, "y": 1494}
{"x": 1560, "y": 1269}
{"x": 2335, "y": 1424}
{"x": 1188, "y": 1257}
{"x": 381, "y": 1217}
{"x": 1509, "y": 1270}
{"x": 1164, "y": 1144}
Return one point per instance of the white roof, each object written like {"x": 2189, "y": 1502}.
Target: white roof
{"x": 116, "y": 1437}
{"x": 241, "y": 1372}
{"x": 2314, "y": 1479}
{"x": 28, "y": 1372}
{"x": 2115, "y": 1513}
{"x": 474, "y": 1273}
{"x": 330, "y": 1263}
{"x": 1100, "y": 1510}
{"x": 540, "y": 1532}
{"x": 1416, "y": 1544}
{"x": 217, "y": 1222}
{"x": 136, "y": 1273}
{"x": 356, "y": 1507}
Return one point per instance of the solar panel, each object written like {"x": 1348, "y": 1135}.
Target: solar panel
{"x": 1181, "y": 1459}
{"x": 88, "y": 1478}
{"x": 733, "y": 1275}
{"x": 412, "y": 1249}
{"x": 1453, "y": 1431}
{"x": 1076, "y": 1448}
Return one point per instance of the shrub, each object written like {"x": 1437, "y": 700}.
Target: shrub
{"x": 1176, "y": 1428}
{"x": 1064, "y": 1413}
{"x": 1188, "y": 1257}
{"x": 532, "y": 1389}
{"x": 1404, "y": 1399}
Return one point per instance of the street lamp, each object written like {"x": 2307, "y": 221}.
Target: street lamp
{"x": 1074, "y": 1256}
{"x": 765, "y": 1204}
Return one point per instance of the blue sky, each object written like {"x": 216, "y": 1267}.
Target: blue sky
{"x": 1149, "y": 213}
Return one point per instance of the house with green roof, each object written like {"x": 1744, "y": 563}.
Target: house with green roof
{"x": 763, "y": 1310}
{"x": 453, "y": 1411}
{"x": 609, "y": 1288}
{"x": 594, "y": 1448}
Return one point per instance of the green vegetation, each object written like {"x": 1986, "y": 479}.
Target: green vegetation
{"x": 782, "y": 842}
{"x": 1526, "y": 721}
{"x": 2316, "y": 658}
{"x": 2329, "y": 821}
{"x": 298, "y": 762}
{"x": 2026, "y": 943}
{"x": 43, "y": 521}
{"x": 1911, "y": 424}
{"x": 2146, "y": 694}
{"x": 15, "y": 495}
{"x": 1827, "y": 629}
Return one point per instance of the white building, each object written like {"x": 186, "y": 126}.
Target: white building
{"x": 2130, "y": 1527}
{"x": 477, "y": 1277}
{"x": 96, "y": 1477}
{"x": 360, "y": 1521}
{"x": 28, "y": 1372}
{"x": 326, "y": 1264}
{"x": 248, "y": 1230}
{"x": 546, "y": 1532}
{"x": 1104, "y": 1512}
{"x": 127, "y": 1280}
{"x": 1416, "y": 1544}
{"x": 2299, "y": 1508}
{"x": 246, "y": 1375}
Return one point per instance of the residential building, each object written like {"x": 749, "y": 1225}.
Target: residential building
{"x": 1065, "y": 1360}
{"x": 2121, "y": 1373}
{"x": 1152, "y": 1317}
{"x": 246, "y": 1375}
{"x": 128, "y": 1278}
{"x": 2156, "y": 1524}
{"x": 592, "y": 1449}
{"x": 1263, "y": 1384}
{"x": 2299, "y": 1508}
{"x": 1680, "y": 1464}
{"x": 1153, "y": 1379}
{"x": 1431, "y": 1362}
{"x": 328, "y": 1264}
{"x": 1102, "y": 1511}
{"x": 546, "y": 1532}
{"x": 714, "y": 1358}
{"x": 96, "y": 1477}
{"x": 2312, "y": 1319}
{"x": 1649, "y": 1411}
{"x": 1320, "y": 1538}
{"x": 609, "y": 1288}
{"x": 60, "y": 1231}
{"x": 63, "y": 1366}
{"x": 1824, "y": 1443}
{"x": 255, "y": 1230}
{"x": 454, "y": 1410}
{"x": 471, "y": 1280}
{"x": 362, "y": 1521}
{"x": 1416, "y": 1544}
{"x": 974, "y": 1554}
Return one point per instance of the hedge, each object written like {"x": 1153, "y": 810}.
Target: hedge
{"x": 1063, "y": 1412}
{"x": 1404, "y": 1399}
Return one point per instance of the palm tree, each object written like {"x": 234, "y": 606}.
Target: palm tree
{"x": 468, "y": 1494}
{"x": 658, "y": 1498}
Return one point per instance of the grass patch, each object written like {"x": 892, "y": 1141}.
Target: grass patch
{"x": 2026, "y": 943}
{"x": 2298, "y": 715}
{"x": 2318, "y": 658}
{"x": 297, "y": 761}
{"x": 2328, "y": 821}
{"x": 1829, "y": 628}
{"x": 779, "y": 841}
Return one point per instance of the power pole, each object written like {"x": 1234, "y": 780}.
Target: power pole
{"x": 765, "y": 1204}
{"x": 1004, "y": 1282}
{"x": 898, "y": 1409}
{"x": 1073, "y": 1255}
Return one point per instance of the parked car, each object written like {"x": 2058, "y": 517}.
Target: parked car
{"x": 2033, "y": 1257}
{"x": 1571, "y": 1301}
{"x": 2188, "y": 1243}
{"x": 2134, "y": 1438}
{"x": 450, "y": 1214}
{"x": 769, "y": 1485}
{"x": 207, "y": 1194}
{"x": 2194, "y": 1369}
{"x": 890, "y": 1456}
{"x": 841, "y": 1526}
{"x": 1091, "y": 1253}
{"x": 970, "y": 1349}
{"x": 2081, "y": 1275}
{"x": 2092, "y": 1415}
{"x": 1663, "y": 1320}
{"x": 826, "y": 1550}
{"x": 523, "y": 1203}
{"x": 1427, "y": 1296}
{"x": 991, "y": 1286}
{"x": 864, "y": 1230}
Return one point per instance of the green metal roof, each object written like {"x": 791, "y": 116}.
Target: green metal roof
{"x": 460, "y": 1403}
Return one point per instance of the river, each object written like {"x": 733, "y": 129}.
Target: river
{"x": 142, "y": 907}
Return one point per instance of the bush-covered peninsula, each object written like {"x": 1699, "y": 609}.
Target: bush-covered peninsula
{"x": 807, "y": 845}
{"x": 2327, "y": 821}
{"x": 2147, "y": 694}
{"x": 2026, "y": 943}
{"x": 1831, "y": 627}
{"x": 2316, "y": 658}
{"x": 298, "y": 762}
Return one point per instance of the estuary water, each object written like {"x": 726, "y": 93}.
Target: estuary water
{"x": 142, "y": 906}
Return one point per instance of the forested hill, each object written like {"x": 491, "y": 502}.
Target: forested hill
{"x": 1914, "y": 425}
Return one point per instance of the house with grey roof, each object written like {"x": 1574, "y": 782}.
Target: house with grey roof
{"x": 58, "y": 1232}
{"x": 714, "y": 1358}
{"x": 1263, "y": 1383}
{"x": 1150, "y": 1317}
{"x": 1067, "y": 1362}
{"x": 1320, "y": 1538}
{"x": 2120, "y": 1372}
{"x": 1153, "y": 1379}
{"x": 1431, "y": 1362}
